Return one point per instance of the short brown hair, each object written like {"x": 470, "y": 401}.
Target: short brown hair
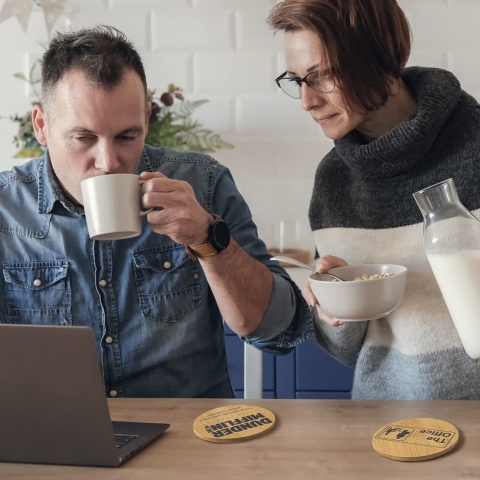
{"x": 366, "y": 43}
{"x": 103, "y": 53}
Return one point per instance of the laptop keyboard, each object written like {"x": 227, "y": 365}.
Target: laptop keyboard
{"x": 122, "y": 440}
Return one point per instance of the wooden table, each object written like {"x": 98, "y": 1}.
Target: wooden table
{"x": 313, "y": 439}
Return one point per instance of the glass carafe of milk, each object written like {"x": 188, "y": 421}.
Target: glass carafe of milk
{"x": 452, "y": 245}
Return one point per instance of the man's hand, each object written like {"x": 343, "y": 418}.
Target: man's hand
{"x": 324, "y": 264}
{"x": 180, "y": 217}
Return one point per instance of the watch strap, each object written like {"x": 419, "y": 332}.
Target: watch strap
{"x": 203, "y": 250}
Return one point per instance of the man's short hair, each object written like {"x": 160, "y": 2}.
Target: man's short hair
{"x": 366, "y": 43}
{"x": 102, "y": 53}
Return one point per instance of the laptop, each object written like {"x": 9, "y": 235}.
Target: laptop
{"x": 53, "y": 407}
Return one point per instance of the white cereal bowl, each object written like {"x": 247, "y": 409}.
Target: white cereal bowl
{"x": 351, "y": 300}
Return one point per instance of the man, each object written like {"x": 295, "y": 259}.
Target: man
{"x": 155, "y": 302}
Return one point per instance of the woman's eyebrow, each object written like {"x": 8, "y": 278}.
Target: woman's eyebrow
{"x": 309, "y": 69}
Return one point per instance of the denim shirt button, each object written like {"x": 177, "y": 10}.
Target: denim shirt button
{"x": 196, "y": 276}
{"x": 102, "y": 283}
{"x": 37, "y": 282}
{"x": 113, "y": 393}
{"x": 167, "y": 265}
{"x": 108, "y": 339}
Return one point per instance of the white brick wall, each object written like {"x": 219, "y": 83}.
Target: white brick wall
{"x": 223, "y": 50}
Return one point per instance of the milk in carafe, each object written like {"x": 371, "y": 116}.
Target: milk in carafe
{"x": 458, "y": 276}
{"x": 451, "y": 240}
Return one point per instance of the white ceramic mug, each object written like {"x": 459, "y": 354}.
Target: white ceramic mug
{"x": 112, "y": 206}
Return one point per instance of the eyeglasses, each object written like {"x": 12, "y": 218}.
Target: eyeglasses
{"x": 293, "y": 86}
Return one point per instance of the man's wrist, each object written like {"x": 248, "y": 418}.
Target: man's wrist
{"x": 218, "y": 239}
{"x": 204, "y": 237}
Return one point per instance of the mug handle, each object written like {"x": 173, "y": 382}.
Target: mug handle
{"x": 145, "y": 212}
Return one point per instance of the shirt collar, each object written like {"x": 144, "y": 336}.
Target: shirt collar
{"x": 50, "y": 191}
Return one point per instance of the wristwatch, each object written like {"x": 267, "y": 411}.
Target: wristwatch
{"x": 218, "y": 240}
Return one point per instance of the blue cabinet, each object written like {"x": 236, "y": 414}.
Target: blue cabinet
{"x": 318, "y": 375}
{"x": 306, "y": 372}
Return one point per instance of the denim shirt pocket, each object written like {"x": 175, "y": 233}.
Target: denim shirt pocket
{"x": 167, "y": 281}
{"x": 38, "y": 292}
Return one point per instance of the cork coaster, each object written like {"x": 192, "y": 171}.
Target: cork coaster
{"x": 233, "y": 423}
{"x": 415, "y": 439}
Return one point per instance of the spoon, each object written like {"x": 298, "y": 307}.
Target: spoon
{"x": 304, "y": 265}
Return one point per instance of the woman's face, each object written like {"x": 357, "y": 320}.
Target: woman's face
{"x": 303, "y": 54}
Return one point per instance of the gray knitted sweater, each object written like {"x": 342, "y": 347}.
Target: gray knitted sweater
{"x": 362, "y": 210}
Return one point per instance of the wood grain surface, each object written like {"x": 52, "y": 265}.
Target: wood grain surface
{"x": 312, "y": 439}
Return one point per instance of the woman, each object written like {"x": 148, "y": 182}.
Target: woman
{"x": 396, "y": 131}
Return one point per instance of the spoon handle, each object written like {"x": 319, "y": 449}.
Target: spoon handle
{"x": 303, "y": 265}
{"x": 293, "y": 262}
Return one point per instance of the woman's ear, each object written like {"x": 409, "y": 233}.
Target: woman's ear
{"x": 39, "y": 124}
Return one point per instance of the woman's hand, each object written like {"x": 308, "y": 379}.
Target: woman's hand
{"x": 324, "y": 264}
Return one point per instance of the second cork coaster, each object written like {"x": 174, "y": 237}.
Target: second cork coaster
{"x": 415, "y": 439}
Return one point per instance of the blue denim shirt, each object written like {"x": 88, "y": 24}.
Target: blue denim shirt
{"x": 158, "y": 329}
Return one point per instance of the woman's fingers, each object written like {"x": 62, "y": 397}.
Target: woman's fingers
{"x": 312, "y": 301}
{"x": 334, "y": 322}
{"x": 324, "y": 264}
{"x": 309, "y": 296}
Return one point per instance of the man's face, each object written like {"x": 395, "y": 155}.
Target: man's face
{"x": 93, "y": 131}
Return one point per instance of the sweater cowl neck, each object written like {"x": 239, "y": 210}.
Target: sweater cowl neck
{"x": 437, "y": 93}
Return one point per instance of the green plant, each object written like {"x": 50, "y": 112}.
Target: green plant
{"x": 170, "y": 125}
{"x": 25, "y": 138}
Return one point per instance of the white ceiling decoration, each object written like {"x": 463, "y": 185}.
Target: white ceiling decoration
{"x": 22, "y": 9}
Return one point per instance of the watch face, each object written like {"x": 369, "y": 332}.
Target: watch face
{"x": 221, "y": 235}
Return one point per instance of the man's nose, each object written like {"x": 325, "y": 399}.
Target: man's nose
{"x": 310, "y": 98}
{"x": 106, "y": 159}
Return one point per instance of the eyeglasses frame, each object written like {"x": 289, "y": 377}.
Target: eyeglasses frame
{"x": 299, "y": 83}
